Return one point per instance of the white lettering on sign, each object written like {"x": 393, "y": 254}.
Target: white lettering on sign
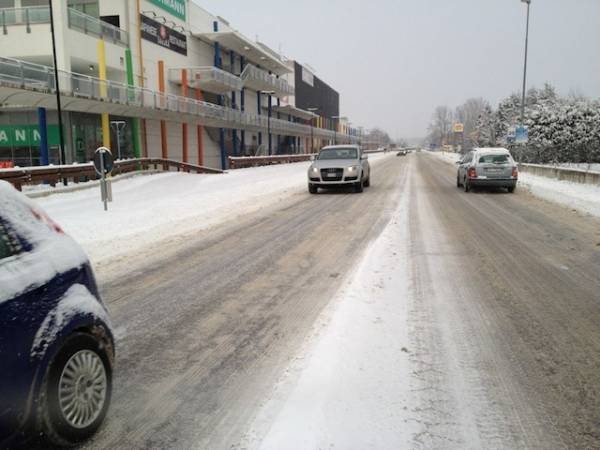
{"x": 3, "y": 136}
{"x": 20, "y": 135}
{"x": 36, "y": 136}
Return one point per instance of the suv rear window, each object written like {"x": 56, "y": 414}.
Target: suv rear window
{"x": 495, "y": 159}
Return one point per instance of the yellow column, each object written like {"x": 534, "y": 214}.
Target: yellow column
{"x": 103, "y": 92}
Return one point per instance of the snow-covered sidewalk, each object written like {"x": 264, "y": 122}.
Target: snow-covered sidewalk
{"x": 149, "y": 209}
{"x": 349, "y": 388}
{"x": 582, "y": 197}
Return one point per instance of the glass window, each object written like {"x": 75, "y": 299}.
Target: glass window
{"x": 495, "y": 159}
{"x": 9, "y": 245}
{"x": 7, "y": 3}
{"x": 25, "y": 3}
{"x": 339, "y": 153}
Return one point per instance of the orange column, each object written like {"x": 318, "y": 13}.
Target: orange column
{"x": 163, "y": 124}
{"x": 184, "y": 127}
{"x": 200, "y": 131}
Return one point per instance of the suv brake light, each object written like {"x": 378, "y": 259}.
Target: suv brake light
{"x": 472, "y": 173}
{"x": 515, "y": 172}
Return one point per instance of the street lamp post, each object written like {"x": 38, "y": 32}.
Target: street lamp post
{"x": 270, "y": 109}
{"x": 525, "y": 64}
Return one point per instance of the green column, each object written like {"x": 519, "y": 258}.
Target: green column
{"x": 136, "y": 122}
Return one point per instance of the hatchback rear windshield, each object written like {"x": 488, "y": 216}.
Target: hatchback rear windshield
{"x": 495, "y": 159}
{"x": 339, "y": 153}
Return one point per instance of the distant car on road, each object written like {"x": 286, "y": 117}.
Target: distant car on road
{"x": 487, "y": 167}
{"x": 339, "y": 165}
{"x": 402, "y": 153}
{"x": 56, "y": 343}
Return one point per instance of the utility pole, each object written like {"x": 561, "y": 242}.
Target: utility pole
{"x": 57, "y": 87}
{"x": 525, "y": 64}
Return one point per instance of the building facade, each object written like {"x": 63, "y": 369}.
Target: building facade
{"x": 156, "y": 78}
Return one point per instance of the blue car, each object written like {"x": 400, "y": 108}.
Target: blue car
{"x": 56, "y": 343}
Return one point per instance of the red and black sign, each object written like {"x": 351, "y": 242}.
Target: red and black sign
{"x": 164, "y": 36}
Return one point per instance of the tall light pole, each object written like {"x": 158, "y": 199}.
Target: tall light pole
{"x": 334, "y": 118}
{"x": 270, "y": 109}
{"x": 525, "y": 64}
{"x": 57, "y": 87}
{"x": 312, "y": 140}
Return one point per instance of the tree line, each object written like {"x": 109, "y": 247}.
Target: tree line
{"x": 561, "y": 129}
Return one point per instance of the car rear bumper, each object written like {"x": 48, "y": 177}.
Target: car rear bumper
{"x": 493, "y": 182}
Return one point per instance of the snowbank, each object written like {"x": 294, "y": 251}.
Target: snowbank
{"x": 350, "y": 388}
{"x": 147, "y": 209}
{"x": 447, "y": 156}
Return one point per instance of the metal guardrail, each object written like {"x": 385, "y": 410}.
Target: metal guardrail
{"x": 261, "y": 80}
{"x": 84, "y": 172}
{"x": 96, "y": 27}
{"x": 562, "y": 173}
{"x": 19, "y": 74}
{"x": 240, "y": 162}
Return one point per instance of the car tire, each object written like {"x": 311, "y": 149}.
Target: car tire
{"x": 368, "y": 182}
{"x": 358, "y": 187}
{"x": 87, "y": 361}
{"x": 511, "y": 189}
{"x": 313, "y": 189}
{"x": 458, "y": 181}
{"x": 466, "y": 185}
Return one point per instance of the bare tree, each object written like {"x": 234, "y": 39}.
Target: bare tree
{"x": 440, "y": 126}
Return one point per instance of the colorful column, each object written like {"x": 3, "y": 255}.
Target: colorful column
{"x": 184, "y": 126}
{"x": 200, "y": 133}
{"x": 258, "y": 107}
{"x": 243, "y": 107}
{"x": 103, "y": 92}
{"x": 233, "y": 104}
{"x": 135, "y": 123}
{"x": 163, "y": 125}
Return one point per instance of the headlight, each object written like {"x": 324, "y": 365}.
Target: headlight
{"x": 353, "y": 169}
{"x": 314, "y": 170}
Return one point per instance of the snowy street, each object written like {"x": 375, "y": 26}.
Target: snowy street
{"x": 410, "y": 316}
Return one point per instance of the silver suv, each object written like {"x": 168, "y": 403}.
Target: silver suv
{"x": 339, "y": 165}
{"x": 487, "y": 167}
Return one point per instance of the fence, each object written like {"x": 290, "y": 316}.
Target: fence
{"x": 84, "y": 172}
{"x": 573, "y": 175}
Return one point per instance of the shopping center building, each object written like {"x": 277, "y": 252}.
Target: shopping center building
{"x": 157, "y": 78}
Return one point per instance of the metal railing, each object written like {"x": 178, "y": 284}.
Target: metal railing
{"x": 260, "y": 80}
{"x": 202, "y": 75}
{"x": 34, "y": 77}
{"x": 96, "y": 27}
{"x": 77, "y": 173}
{"x": 31, "y": 15}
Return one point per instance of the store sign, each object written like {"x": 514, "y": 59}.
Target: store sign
{"x": 26, "y": 135}
{"x": 459, "y": 128}
{"x": 174, "y": 7}
{"x": 164, "y": 36}
{"x": 308, "y": 77}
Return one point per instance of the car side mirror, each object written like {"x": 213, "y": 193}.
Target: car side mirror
{"x": 364, "y": 156}
{"x": 312, "y": 157}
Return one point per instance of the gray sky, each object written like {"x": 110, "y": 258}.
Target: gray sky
{"x": 393, "y": 61}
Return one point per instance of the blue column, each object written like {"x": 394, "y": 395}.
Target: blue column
{"x": 243, "y": 105}
{"x": 270, "y": 112}
{"x": 259, "y": 113}
{"x": 217, "y": 64}
{"x": 43, "y": 129}
{"x": 233, "y": 103}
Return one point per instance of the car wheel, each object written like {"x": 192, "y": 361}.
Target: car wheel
{"x": 466, "y": 185}
{"x": 313, "y": 189}
{"x": 368, "y": 182}
{"x": 76, "y": 392}
{"x": 458, "y": 181}
{"x": 358, "y": 187}
{"x": 511, "y": 189}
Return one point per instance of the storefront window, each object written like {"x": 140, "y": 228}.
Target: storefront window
{"x": 90, "y": 7}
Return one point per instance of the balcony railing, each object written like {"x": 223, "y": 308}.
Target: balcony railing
{"x": 23, "y": 16}
{"x": 209, "y": 79}
{"x": 96, "y": 27}
{"x": 260, "y": 80}
{"x": 16, "y": 74}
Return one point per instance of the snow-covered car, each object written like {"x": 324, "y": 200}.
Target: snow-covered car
{"x": 339, "y": 165}
{"x": 487, "y": 167}
{"x": 56, "y": 343}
